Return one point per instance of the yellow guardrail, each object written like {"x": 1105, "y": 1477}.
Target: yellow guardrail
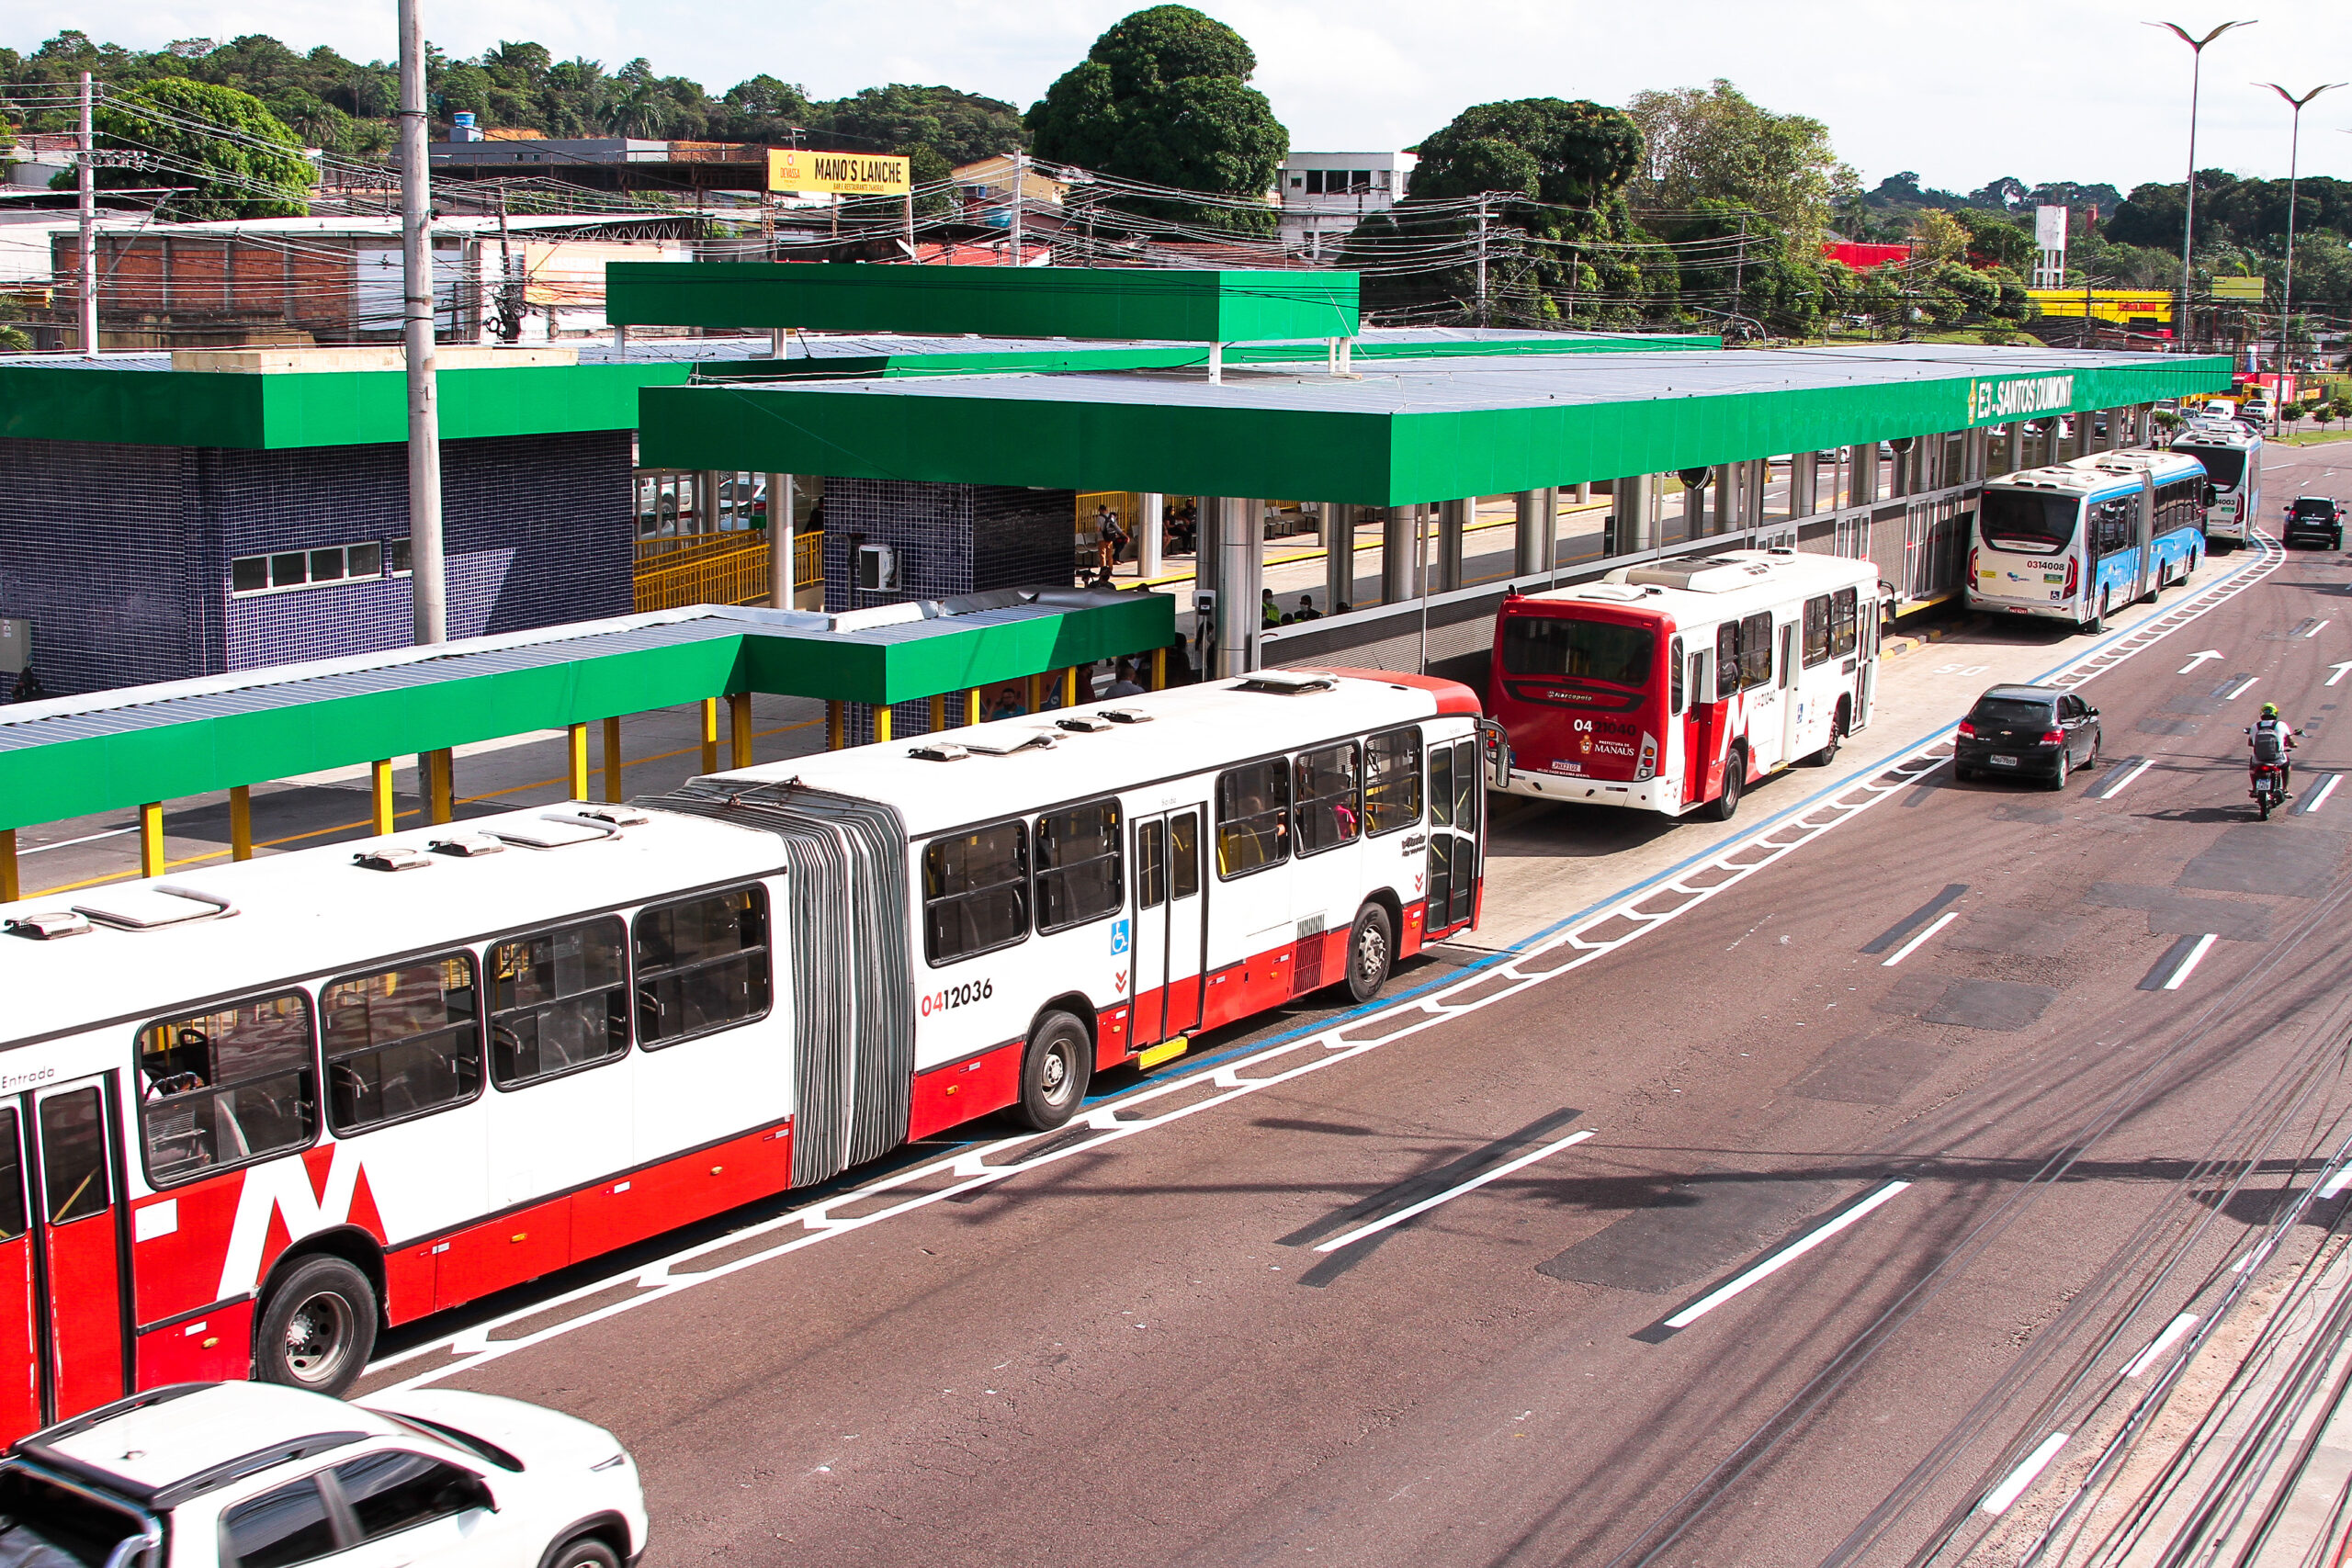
{"x": 726, "y": 568}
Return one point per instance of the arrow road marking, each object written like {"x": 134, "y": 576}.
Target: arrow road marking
{"x": 2336, "y": 671}
{"x": 2197, "y": 658}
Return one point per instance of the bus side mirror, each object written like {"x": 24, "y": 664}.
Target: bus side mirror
{"x": 1497, "y": 741}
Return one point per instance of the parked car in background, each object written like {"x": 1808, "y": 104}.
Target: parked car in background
{"x": 2314, "y": 520}
{"x": 2026, "y": 732}
{"x": 258, "y": 1475}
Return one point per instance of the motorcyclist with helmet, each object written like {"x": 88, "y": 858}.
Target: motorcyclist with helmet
{"x": 2270, "y": 739}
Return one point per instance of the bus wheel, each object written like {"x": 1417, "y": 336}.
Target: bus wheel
{"x": 1734, "y": 779}
{"x": 1372, "y": 948}
{"x": 1828, "y": 752}
{"x": 318, "y": 1327}
{"x": 1054, "y": 1071}
{"x": 2098, "y": 623}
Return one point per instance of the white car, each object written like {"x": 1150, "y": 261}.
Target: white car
{"x": 255, "y": 1475}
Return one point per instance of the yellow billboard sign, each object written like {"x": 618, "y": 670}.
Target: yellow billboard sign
{"x": 841, "y": 174}
{"x": 2126, "y": 306}
{"x": 2247, "y": 289}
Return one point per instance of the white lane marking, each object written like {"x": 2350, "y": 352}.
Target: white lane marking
{"x": 1426, "y": 1204}
{"x": 1998, "y": 1500}
{"x": 2316, "y": 630}
{"x": 2336, "y": 671}
{"x": 2241, "y": 689}
{"x": 2198, "y": 658}
{"x": 2337, "y": 1182}
{"x": 2204, "y": 945}
{"x": 1938, "y": 923}
{"x": 85, "y": 839}
{"x": 2161, "y": 1343}
{"x": 1813, "y": 816}
{"x": 2111, "y": 791}
{"x": 2324, "y": 791}
{"x": 2239, "y": 1267}
{"x": 1783, "y": 1258}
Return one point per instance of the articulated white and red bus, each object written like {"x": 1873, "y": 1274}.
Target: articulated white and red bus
{"x": 1675, "y": 685}
{"x": 252, "y": 1114}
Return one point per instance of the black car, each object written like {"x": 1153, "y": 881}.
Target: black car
{"x": 2315, "y": 520}
{"x": 2027, "y": 731}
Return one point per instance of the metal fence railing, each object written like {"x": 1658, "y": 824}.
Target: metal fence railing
{"x": 719, "y": 568}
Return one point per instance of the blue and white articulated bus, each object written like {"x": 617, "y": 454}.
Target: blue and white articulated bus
{"x": 2231, "y": 454}
{"x": 2077, "y": 540}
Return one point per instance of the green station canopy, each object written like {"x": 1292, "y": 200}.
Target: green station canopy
{"x": 1401, "y": 432}
{"x": 994, "y": 301}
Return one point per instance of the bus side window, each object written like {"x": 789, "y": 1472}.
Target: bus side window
{"x": 1842, "y": 622}
{"x": 12, "y": 1179}
{"x": 1079, "y": 873}
{"x": 702, "y": 965}
{"x": 1674, "y": 677}
{"x": 1183, "y": 855}
{"x": 974, "y": 891}
{"x": 1756, "y": 650}
{"x": 1152, "y": 864}
{"x": 559, "y": 1001}
{"x": 1816, "y": 631}
{"x": 1701, "y": 686}
{"x": 1727, "y": 660}
{"x": 401, "y": 1042}
{"x": 1252, "y": 817}
{"x": 1392, "y": 780}
{"x": 1329, "y": 813}
{"x": 228, "y": 1087}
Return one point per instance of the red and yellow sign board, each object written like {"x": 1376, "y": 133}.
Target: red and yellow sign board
{"x": 841, "y": 174}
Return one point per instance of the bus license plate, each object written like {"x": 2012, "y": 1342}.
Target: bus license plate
{"x": 2002, "y": 761}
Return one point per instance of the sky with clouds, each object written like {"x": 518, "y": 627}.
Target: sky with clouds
{"x": 1960, "y": 92}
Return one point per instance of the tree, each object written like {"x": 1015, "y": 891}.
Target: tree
{"x": 1550, "y": 149}
{"x": 1938, "y": 237}
{"x": 235, "y": 158}
{"x": 1163, "y": 98}
{"x": 2006, "y": 194}
{"x": 1996, "y": 240}
{"x": 1714, "y": 145}
{"x": 962, "y": 128}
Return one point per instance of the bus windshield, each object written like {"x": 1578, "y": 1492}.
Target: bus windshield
{"x": 2223, "y": 465}
{"x": 2022, "y": 520}
{"x": 1590, "y": 650}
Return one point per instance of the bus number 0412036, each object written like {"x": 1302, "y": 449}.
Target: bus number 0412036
{"x": 958, "y": 995}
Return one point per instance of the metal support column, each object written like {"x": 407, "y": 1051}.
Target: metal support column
{"x": 1804, "y": 478}
{"x": 10, "y": 888}
{"x": 738, "y": 727}
{"x": 780, "y": 551}
{"x": 428, "y": 584}
{"x": 710, "y": 734}
{"x": 613, "y": 760}
{"x": 1338, "y": 556}
{"x": 1150, "y": 534}
{"x": 1865, "y": 474}
{"x": 1396, "y": 581}
{"x": 383, "y": 811}
{"x": 1550, "y": 504}
{"x": 1453, "y": 524}
{"x": 881, "y": 725}
{"x": 1208, "y": 523}
{"x": 2013, "y": 447}
{"x": 151, "y": 838}
{"x": 1631, "y": 498}
{"x": 1530, "y": 536}
{"x": 832, "y": 727}
{"x": 938, "y": 713}
{"x": 240, "y": 823}
{"x": 1240, "y": 572}
{"x": 576, "y": 773}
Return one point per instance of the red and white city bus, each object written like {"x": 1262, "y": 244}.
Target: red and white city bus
{"x": 1677, "y": 685}
{"x": 254, "y": 1113}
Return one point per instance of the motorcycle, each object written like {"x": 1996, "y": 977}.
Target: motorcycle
{"x": 2268, "y": 787}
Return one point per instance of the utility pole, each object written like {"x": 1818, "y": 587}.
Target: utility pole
{"x": 510, "y": 291}
{"x": 2287, "y": 292}
{"x": 1739, "y": 272}
{"x": 426, "y": 584}
{"x": 2188, "y": 191}
{"x": 85, "y": 186}
{"x": 1020, "y": 190}
{"x": 1482, "y": 258}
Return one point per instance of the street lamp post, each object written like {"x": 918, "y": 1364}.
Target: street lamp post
{"x": 2286, "y": 290}
{"x": 2188, "y": 191}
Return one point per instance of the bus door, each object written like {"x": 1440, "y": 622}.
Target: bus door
{"x": 79, "y": 1291}
{"x": 1791, "y": 709}
{"x": 2144, "y": 574}
{"x": 1866, "y": 654}
{"x": 1456, "y": 792}
{"x": 1171, "y": 917}
{"x": 1699, "y": 737}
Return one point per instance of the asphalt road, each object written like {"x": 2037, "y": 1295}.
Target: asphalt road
{"x": 1902, "y": 1145}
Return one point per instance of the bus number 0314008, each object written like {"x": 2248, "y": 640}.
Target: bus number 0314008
{"x": 958, "y": 995}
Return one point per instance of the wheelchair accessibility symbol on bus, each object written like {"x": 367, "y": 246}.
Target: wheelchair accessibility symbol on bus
{"x": 1118, "y": 937}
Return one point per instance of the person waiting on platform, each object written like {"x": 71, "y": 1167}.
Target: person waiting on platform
{"x": 1269, "y": 613}
{"x": 1007, "y": 704}
{"x": 1123, "y": 684}
{"x": 1108, "y": 538}
{"x": 1306, "y": 610}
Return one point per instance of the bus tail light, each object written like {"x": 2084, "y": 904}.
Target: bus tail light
{"x": 1647, "y": 767}
{"x": 1973, "y": 553}
{"x": 2073, "y": 575}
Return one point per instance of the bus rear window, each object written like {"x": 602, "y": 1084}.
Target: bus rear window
{"x": 2022, "y": 520}
{"x": 1590, "y": 650}
{"x": 2226, "y": 466}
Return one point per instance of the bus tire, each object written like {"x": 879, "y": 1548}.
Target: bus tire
{"x": 1735, "y": 780}
{"x": 1372, "y": 952}
{"x": 1828, "y": 752}
{"x": 1054, "y": 1071}
{"x": 2098, "y": 623}
{"x": 318, "y": 1327}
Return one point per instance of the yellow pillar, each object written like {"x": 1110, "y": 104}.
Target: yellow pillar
{"x": 613, "y": 759}
{"x": 832, "y": 724}
{"x": 379, "y": 793}
{"x": 710, "y": 735}
{"x": 972, "y": 705}
{"x": 882, "y": 723}
{"x": 440, "y": 772}
{"x": 738, "y": 727}
{"x": 151, "y": 838}
{"x": 576, "y": 737}
{"x": 1159, "y": 669}
{"x": 9, "y": 890}
{"x": 1070, "y": 687}
{"x": 1033, "y": 692}
{"x": 241, "y": 822}
{"x": 939, "y": 712}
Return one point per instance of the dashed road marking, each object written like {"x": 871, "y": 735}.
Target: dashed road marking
{"x": 1938, "y": 923}
{"x": 1997, "y": 1501}
{"x": 1773, "y": 1263}
{"x": 2161, "y": 1343}
{"x": 2122, "y": 773}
